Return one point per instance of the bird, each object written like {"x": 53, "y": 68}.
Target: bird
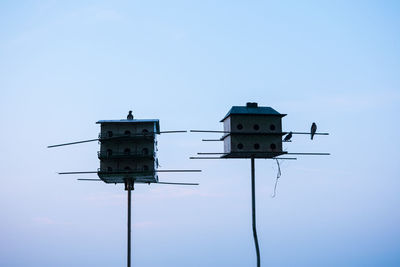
{"x": 130, "y": 116}
{"x": 288, "y": 137}
{"x": 313, "y": 130}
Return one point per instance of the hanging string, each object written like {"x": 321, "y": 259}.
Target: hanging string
{"x": 278, "y": 175}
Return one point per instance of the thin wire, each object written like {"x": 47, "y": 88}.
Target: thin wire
{"x": 278, "y": 175}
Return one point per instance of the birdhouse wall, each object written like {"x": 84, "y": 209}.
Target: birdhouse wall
{"x": 109, "y": 165}
{"x": 254, "y": 124}
{"x": 144, "y": 168}
{"x": 124, "y": 164}
{"x": 227, "y": 124}
{"x": 133, "y": 152}
{"x": 134, "y": 147}
{"x": 137, "y": 165}
{"x": 227, "y": 144}
{"x": 248, "y": 134}
{"x": 255, "y": 143}
{"x": 128, "y": 146}
{"x": 121, "y": 129}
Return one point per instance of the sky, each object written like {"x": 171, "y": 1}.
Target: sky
{"x": 66, "y": 64}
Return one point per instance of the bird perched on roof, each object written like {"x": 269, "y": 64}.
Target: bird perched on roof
{"x": 130, "y": 116}
{"x": 288, "y": 137}
{"x": 313, "y": 130}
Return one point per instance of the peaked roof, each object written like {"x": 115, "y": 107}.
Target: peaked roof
{"x": 252, "y": 109}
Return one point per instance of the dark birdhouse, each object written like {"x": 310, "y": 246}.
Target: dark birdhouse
{"x": 252, "y": 131}
{"x": 128, "y": 150}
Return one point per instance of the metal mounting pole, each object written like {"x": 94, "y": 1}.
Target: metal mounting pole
{"x": 253, "y": 209}
{"x": 129, "y": 186}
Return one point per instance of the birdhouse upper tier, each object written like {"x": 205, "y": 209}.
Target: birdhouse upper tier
{"x": 252, "y": 131}
{"x": 128, "y": 150}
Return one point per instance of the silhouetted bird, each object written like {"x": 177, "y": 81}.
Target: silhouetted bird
{"x": 130, "y": 116}
{"x": 288, "y": 137}
{"x": 313, "y": 130}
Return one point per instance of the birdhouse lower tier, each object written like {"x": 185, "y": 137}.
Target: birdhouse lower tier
{"x": 118, "y": 166}
{"x": 255, "y": 145}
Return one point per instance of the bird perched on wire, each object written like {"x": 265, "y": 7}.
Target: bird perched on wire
{"x": 130, "y": 116}
{"x": 288, "y": 137}
{"x": 313, "y": 130}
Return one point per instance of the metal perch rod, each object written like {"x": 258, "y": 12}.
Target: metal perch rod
{"x": 236, "y": 158}
{"x": 237, "y": 132}
{"x": 131, "y": 172}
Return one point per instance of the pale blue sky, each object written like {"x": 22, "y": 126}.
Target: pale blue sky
{"x": 65, "y": 65}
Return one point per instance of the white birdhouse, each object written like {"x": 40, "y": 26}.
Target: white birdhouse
{"x": 252, "y": 131}
{"x": 128, "y": 150}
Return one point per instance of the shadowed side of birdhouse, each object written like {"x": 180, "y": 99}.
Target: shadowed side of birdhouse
{"x": 128, "y": 150}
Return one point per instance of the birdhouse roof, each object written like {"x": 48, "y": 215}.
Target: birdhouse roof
{"x": 156, "y": 122}
{"x": 252, "y": 109}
